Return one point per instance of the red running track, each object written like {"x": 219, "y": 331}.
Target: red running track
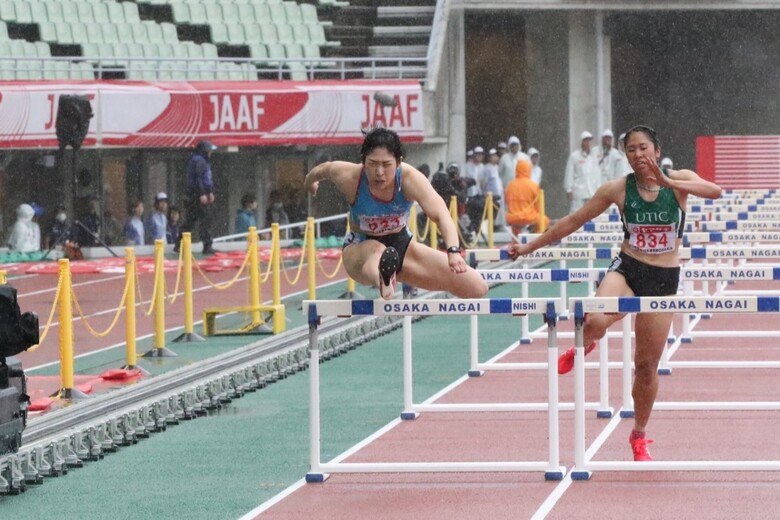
{"x": 678, "y": 435}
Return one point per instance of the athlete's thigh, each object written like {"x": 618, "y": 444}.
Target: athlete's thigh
{"x": 652, "y": 331}
{"x": 355, "y": 257}
{"x": 424, "y": 266}
{"x": 613, "y": 284}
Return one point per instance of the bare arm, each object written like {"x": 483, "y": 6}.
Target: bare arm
{"x": 343, "y": 174}
{"x": 690, "y": 182}
{"x": 609, "y": 193}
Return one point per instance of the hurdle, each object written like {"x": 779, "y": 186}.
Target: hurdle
{"x": 315, "y": 309}
{"x": 584, "y": 466}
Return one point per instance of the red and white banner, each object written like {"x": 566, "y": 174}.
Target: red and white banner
{"x": 739, "y": 162}
{"x": 175, "y": 114}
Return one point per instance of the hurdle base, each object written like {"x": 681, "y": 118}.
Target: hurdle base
{"x": 627, "y": 414}
{"x": 686, "y": 339}
{"x": 563, "y": 317}
{"x": 313, "y": 478}
{"x": 409, "y": 416}
{"x": 706, "y": 316}
{"x": 476, "y": 373}
{"x": 605, "y": 413}
{"x": 670, "y": 340}
{"x": 580, "y": 475}
{"x": 664, "y": 371}
{"x": 555, "y": 475}
{"x": 160, "y": 353}
{"x": 71, "y": 394}
{"x": 526, "y": 341}
{"x": 188, "y": 337}
{"x": 142, "y": 370}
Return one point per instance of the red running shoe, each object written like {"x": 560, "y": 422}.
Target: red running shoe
{"x": 566, "y": 360}
{"x": 639, "y": 447}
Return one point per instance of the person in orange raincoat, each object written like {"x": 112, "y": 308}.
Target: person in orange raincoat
{"x": 522, "y": 199}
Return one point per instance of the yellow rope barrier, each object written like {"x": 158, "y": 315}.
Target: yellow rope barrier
{"x": 335, "y": 271}
{"x": 264, "y": 277}
{"x": 229, "y": 283}
{"x": 303, "y": 256}
{"x": 172, "y": 298}
{"x": 113, "y": 321}
{"x": 51, "y": 317}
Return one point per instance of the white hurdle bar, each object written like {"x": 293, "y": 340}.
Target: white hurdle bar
{"x": 583, "y": 466}
{"x": 319, "y": 471}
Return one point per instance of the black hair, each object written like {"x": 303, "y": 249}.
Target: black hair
{"x": 248, "y": 198}
{"x": 649, "y": 132}
{"x": 381, "y": 138}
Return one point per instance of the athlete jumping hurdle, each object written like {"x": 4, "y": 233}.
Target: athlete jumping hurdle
{"x": 380, "y": 192}
{"x": 652, "y": 204}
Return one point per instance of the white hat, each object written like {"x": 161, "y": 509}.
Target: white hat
{"x": 479, "y": 149}
{"x": 585, "y": 135}
{"x": 502, "y": 144}
{"x": 492, "y": 151}
{"x": 469, "y": 153}
{"x": 533, "y": 151}
{"x": 514, "y": 140}
{"x": 622, "y": 136}
{"x": 161, "y": 196}
{"x": 666, "y": 162}
{"x": 607, "y": 133}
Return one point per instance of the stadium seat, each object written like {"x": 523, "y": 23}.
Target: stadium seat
{"x": 139, "y": 33}
{"x": 219, "y": 33}
{"x": 154, "y": 32}
{"x": 4, "y": 31}
{"x": 92, "y": 33}
{"x": 7, "y": 11}
{"x": 180, "y": 12}
{"x": 301, "y": 34}
{"x": 179, "y": 50}
{"x": 131, "y": 12}
{"x": 275, "y": 54}
{"x": 262, "y": 13}
{"x": 214, "y": 13}
{"x": 252, "y": 33}
{"x": 198, "y": 14}
{"x": 100, "y": 12}
{"x": 246, "y": 13}
{"x": 284, "y": 33}
{"x": 297, "y": 71}
{"x": 39, "y": 12}
{"x": 169, "y": 33}
{"x": 311, "y": 51}
{"x": 7, "y": 69}
{"x": 317, "y": 35}
{"x": 258, "y": 52}
{"x": 308, "y": 13}
{"x": 236, "y": 34}
{"x": 5, "y": 49}
{"x": 47, "y": 31}
{"x": 268, "y": 32}
{"x": 278, "y": 14}
{"x": 120, "y": 32}
{"x": 42, "y": 49}
{"x": 64, "y": 34}
{"x": 54, "y": 11}
{"x": 293, "y": 13}
{"x": 23, "y": 12}
{"x": 70, "y": 12}
{"x": 193, "y": 50}
{"x": 116, "y": 13}
{"x": 84, "y": 10}
{"x": 230, "y": 13}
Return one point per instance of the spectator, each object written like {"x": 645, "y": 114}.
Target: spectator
{"x": 624, "y": 168}
{"x": 450, "y": 183}
{"x": 474, "y": 169}
{"x": 134, "y": 227}
{"x": 112, "y": 229}
{"x": 536, "y": 170}
{"x": 245, "y": 217}
{"x": 508, "y": 163}
{"x": 608, "y": 158}
{"x": 174, "y": 221}
{"x": 276, "y": 214}
{"x": 491, "y": 183}
{"x": 89, "y": 227}
{"x": 583, "y": 176}
{"x": 157, "y": 224}
{"x": 60, "y": 231}
{"x": 200, "y": 194}
{"x": 22, "y": 237}
{"x": 666, "y": 163}
{"x": 522, "y": 200}
{"x": 501, "y": 149}
{"x": 36, "y": 227}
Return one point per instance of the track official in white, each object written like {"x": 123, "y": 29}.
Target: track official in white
{"x": 379, "y": 245}
{"x": 652, "y": 204}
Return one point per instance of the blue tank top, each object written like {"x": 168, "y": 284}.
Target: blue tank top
{"x": 375, "y": 216}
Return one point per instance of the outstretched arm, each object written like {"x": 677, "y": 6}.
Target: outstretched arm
{"x": 609, "y": 193}
{"x": 343, "y": 174}
{"x": 687, "y": 181}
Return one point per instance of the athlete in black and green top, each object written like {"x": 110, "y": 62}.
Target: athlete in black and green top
{"x": 652, "y": 206}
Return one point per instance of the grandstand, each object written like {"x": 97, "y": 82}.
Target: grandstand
{"x": 212, "y": 40}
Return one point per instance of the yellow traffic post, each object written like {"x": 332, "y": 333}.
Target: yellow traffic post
{"x": 66, "y": 335}
{"x": 454, "y": 210}
{"x": 311, "y": 254}
{"x": 254, "y": 277}
{"x": 158, "y": 303}
{"x": 541, "y": 226}
{"x": 3, "y": 277}
{"x": 279, "y": 319}
{"x": 186, "y": 267}
{"x": 489, "y": 202}
{"x": 130, "y": 355}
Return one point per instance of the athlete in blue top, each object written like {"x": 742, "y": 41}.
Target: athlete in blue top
{"x": 652, "y": 206}
{"x": 379, "y": 246}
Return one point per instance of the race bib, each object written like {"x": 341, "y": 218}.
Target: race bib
{"x": 377, "y": 225}
{"x": 652, "y": 239}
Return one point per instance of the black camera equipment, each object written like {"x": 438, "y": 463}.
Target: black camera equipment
{"x": 18, "y": 332}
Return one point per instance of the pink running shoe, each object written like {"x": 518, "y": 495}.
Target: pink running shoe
{"x": 566, "y": 360}
{"x": 389, "y": 263}
{"x": 639, "y": 447}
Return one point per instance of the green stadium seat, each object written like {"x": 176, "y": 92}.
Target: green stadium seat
{"x": 100, "y": 12}
{"x": 278, "y": 14}
{"x": 93, "y": 33}
{"x": 82, "y": 71}
{"x": 70, "y": 12}
{"x": 209, "y": 50}
{"x": 139, "y": 33}
{"x": 284, "y": 33}
{"x": 236, "y": 34}
{"x": 262, "y": 13}
{"x": 135, "y": 50}
{"x": 198, "y": 14}
{"x": 54, "y": 11}
{"x": 7, "y": 11}
{"x": 230, "y": 13}
{"x": 252, "y": 33}
{"x": 131, "y": 12}
{"x": 116, "y": 13}
{"x": 214, "y": 13}
{"x": 148, "y": 50}
{"x": 269, "y": 34}
{"x": 179, "y": 50}
{"x": 7, "y": 69}
{"x": 84, "y": 10}
{"x": 17, "y": 48}
{"x": 169, "y": 33}
{"x": 39, "y": 12}
{"x": 180, "y": 12}
{"x": 311, "y": 51}
{"x": 194, "y": 50}
{"x": 120, "y": 32}
{"x": 42, "y": 49}
{"x": 219, "y": 33}
{"x": 154, "y": 32}
{"x": 293, "y": 13}
{"x": 63, "y": 33}
{"x": 275, "y": 54}
{"x": 4, "y": 31}
{"x": 23, "y": 12}
{"x": 258, "y": 52}
{"x": 48, "y": 31}
{"x": 297, "y": 71}
{"x": 317, "y": 34}
{"x": 246, "y": 13}
{"x": 164, "y": 50}
{"x": 248, "y": 71}
{"x": 301, "y": 34}
{"x": 230, "y": 71}
{"x": 5, "y": 49}
{"x": 206, "y": 70}
{"x": 90, "y": 50}
{"x": 121, "y": 50}
{"x": 308, "y": 13}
